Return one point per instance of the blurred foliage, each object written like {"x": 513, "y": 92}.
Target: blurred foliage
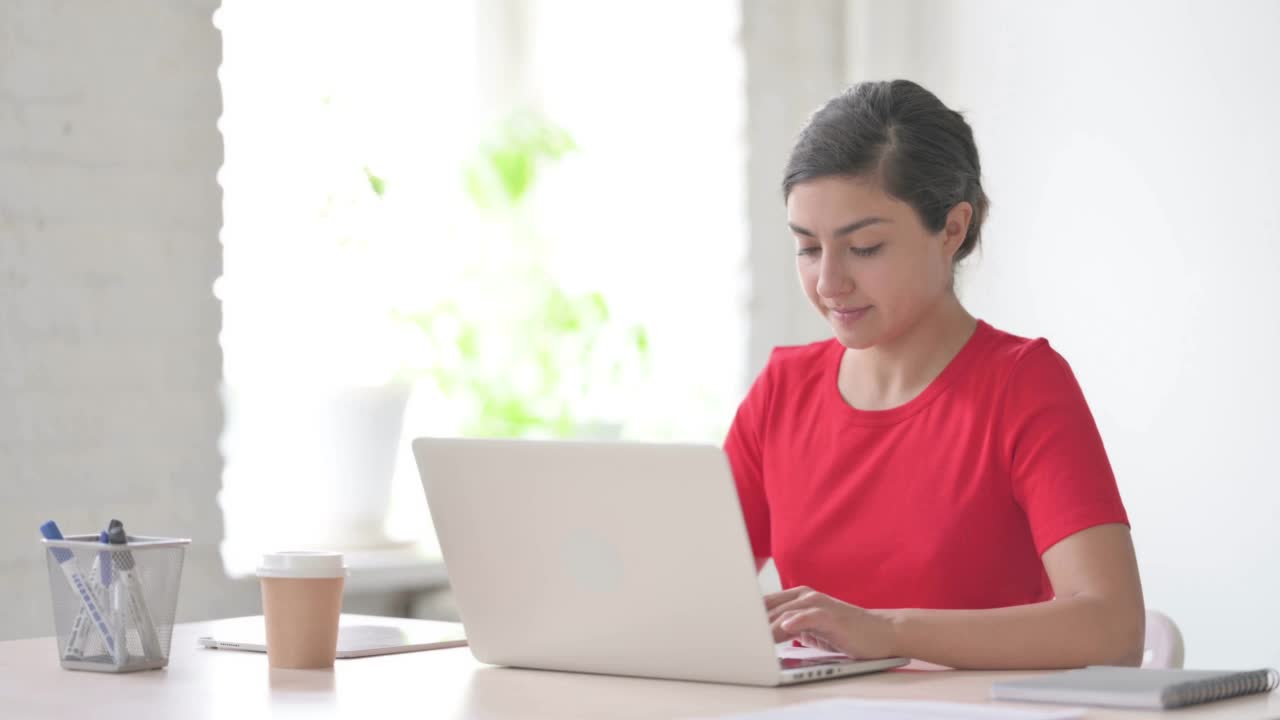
{"x": 505, "y": 168}
{"x": 533, "y": 373}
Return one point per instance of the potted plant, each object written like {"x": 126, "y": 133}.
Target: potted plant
{"x": 510, "y": 350}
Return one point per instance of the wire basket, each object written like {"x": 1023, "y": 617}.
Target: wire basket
{"x": 114, "y": 605}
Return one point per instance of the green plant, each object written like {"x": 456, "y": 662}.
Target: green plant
{"x": 535, "y": 370}
{"x": 506, "y": 167}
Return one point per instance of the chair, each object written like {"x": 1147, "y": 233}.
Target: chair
{"x": 1162, "y": 646}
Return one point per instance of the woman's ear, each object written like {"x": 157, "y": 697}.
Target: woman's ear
{"x": 956, "y": 227}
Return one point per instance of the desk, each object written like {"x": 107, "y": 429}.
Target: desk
{"x": 448, "y": 684}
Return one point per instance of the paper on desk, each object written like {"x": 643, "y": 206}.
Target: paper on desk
{"x": 845, "y": 708}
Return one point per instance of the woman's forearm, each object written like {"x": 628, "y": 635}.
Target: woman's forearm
{"x": 1064, "y": 632}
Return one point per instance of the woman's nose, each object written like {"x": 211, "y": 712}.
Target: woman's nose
{"x": 834, "y": 278}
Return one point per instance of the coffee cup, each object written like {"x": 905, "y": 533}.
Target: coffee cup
{"x": 301, "y": 601}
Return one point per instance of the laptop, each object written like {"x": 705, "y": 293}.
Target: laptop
{"x": 608, "y": 557}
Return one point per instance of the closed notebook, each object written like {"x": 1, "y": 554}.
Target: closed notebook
{"x": 1129, "y": 687}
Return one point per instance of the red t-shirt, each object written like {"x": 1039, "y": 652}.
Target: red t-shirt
{"x": 947, "y": 501}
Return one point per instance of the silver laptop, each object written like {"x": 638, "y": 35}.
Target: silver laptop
{"x": 616, "y": 558}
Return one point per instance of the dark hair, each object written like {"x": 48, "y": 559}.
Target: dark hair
{"x": 922, "y": 151}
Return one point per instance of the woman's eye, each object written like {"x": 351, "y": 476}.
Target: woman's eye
{"x": 808, "y": 251}
{"x": 867, "y": 251}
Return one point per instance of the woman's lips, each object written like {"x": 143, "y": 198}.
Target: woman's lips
{"x": 849, "y": 316}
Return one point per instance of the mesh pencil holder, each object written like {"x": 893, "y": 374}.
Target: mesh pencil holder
{"x": 113, "y": 605}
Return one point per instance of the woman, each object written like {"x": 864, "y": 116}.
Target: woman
{"x": 927, "y": 485}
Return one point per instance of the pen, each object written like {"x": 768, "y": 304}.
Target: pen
{"x": 104, "y": 561}
{"x": 135, "y": 596}
{"x": 114, "y": 597}
{"x": 99, "y": 581}
{"x": 81, "y": 588}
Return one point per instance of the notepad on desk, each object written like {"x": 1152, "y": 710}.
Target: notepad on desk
{"x": 1128, "y": 687}
{"x": 358, "y": 636}
{"x": 845, "y": 708}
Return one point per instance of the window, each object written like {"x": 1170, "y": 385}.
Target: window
{"x": 357, "y": 138}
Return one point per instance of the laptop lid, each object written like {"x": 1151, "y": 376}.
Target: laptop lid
{"x": 618, "y": 558}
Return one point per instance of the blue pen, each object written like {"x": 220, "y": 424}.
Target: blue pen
{"x": 81, "y": 588}
{"x": 104, "y": 561}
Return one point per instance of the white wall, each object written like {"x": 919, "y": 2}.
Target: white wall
{"x": 795, "y": 57}
{"x": 109, "y": 359}
{"x": 1132, "y": 154}
{"x": 794, "y": 54}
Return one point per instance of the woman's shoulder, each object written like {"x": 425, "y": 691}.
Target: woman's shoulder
{"x": 793, "y": 360}
{"x": 791, "y": 366}
{"x": 790, "y": 371}
{"x": 1009, "y": 354}
{"x": 1007, "y": 349}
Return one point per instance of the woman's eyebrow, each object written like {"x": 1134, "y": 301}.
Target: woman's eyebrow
{"x": 851, "y": 227}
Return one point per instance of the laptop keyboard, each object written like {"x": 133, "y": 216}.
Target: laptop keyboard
{"x": 791, "y": 663}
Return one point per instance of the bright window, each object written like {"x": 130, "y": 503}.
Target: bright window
{"x": 366, "y": 144}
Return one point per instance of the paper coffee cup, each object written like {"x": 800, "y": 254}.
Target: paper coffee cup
{"x": 301, "y": 601}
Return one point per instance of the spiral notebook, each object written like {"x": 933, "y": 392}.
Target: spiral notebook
{"x": 1129, "y": 687}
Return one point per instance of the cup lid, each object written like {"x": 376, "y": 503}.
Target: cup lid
{"x": 302, "y": 564}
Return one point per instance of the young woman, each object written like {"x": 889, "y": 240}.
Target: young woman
{"x": 927, "y": 485}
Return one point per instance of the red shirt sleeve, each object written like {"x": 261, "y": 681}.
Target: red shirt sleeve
{"x": 1059, "y": 469}
{"x": 744, "y": 446}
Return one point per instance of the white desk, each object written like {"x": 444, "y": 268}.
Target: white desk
{"x": 447, "y": 684}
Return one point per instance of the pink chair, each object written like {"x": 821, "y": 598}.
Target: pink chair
{"x": 1162, "y": 647}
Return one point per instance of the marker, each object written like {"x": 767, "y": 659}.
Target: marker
{"x": 81, "y": 588}
{"x": 104, "y": 561}
{"x": 114, "y": 596}
{"x": 136, "y": 600}
{"x": 82, "y": 626}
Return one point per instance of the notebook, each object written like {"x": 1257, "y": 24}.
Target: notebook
{"x": 1129, "y": 687}
{"x": 845, "y": 708}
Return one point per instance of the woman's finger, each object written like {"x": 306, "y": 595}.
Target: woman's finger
{"x": 811, "y": 640}
{"x": 813, "y": 621}
{"x": 779, "y": 634}
{"x": 806, "y": 599}
{"x": 772, "y": 600}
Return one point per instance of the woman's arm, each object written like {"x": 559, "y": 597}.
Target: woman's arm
{"x": 1097, "y": 617}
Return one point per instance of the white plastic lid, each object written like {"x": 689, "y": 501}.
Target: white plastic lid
{"x": 302, "y": 564}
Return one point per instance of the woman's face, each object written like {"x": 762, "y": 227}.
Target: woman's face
{"x": 865, "y": 260}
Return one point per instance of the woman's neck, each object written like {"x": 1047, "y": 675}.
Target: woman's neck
{"x": 892, "y": 373}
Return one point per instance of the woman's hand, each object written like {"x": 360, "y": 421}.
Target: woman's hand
{"x": 821, "y": 621}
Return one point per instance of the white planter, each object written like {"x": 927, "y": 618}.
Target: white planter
{"x": 307, "y": 468}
